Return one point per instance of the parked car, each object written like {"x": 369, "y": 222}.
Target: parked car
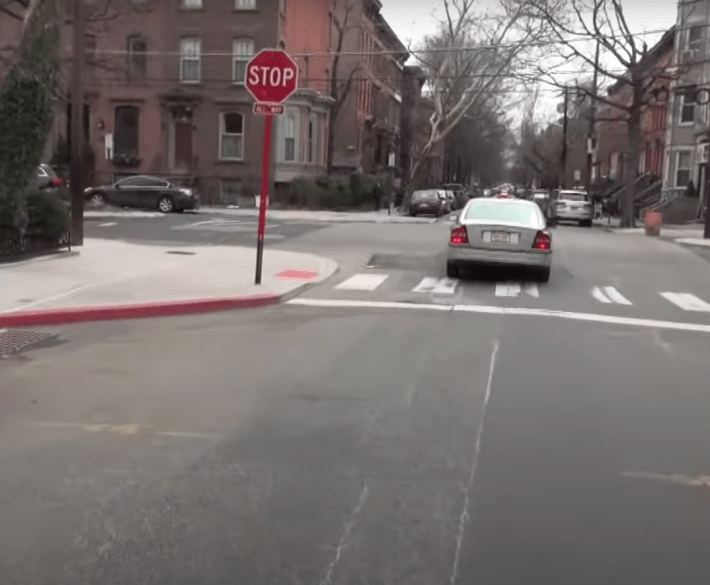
{"x": 428, "y": 201}
{"x": 461, "y": 197}
{"x": 45, "y": 177}
{"x": 450, "y": 199}
{"x": 146, "y": 192}
{"x": 507, "y": 232}
{"x": 568, "y": 205}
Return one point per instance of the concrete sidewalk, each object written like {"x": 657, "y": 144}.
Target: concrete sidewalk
{"x": 109, "y": 279}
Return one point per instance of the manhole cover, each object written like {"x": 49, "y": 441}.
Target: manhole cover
{"x": 13, "y": 341}
{"x": 180, "y": 253}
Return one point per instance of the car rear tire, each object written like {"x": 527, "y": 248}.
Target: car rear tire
{"x": 544, "y": 275}
{"x": 166, "y": 205}
{"x": 452, "y": 271}
{"x": 99, "y": 199}
{"x": 587, "y": 223}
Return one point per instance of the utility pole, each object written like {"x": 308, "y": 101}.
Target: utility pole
{"x": 565, "y": 121}
{"x": 591, "y": 137}
{"x": 76, "y": 160}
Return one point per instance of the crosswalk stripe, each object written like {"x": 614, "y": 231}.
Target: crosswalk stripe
{"x": 531, "y": 289}
{"x": 686, "y": 301}
{"x": 615, "y": 296}
{"x": 507, "y": 289}
{"x": 363, "y": 281}
{"x": 426, "y": 285}
{"x": 446, "y": 286}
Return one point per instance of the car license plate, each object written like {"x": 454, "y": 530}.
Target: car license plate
{"x": 500, "y": 237}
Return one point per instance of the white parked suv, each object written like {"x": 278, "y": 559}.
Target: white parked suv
{"x": 568, "y": 205}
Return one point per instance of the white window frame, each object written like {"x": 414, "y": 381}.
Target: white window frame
{"x": 223, "y": 133}
{"x": 187, "y": 55}
{"x": 192, "y": 4}
{"x": 698, "y": 44}
{"x": 240, "y": 55}
{"x": 290, "y": 134}
{"x": 244, "y": 4}
{"x": 680, "y": 112}
{"x": 676, "y": 167}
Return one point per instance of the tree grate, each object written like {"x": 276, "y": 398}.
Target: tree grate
{"x": 13, "y": 341}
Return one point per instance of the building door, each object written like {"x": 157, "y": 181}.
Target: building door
{"x": 183, "y": 146}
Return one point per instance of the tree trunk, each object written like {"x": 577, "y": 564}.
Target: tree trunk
{"x": 631, "y": 164}
{"x": 330, "y": 145}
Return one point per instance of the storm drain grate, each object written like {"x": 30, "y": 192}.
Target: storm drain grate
{"x": 13, "y": 341}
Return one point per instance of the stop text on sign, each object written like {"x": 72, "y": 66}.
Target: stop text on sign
{"x": 271, "y": 76}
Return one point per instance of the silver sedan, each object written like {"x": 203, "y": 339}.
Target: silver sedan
{"x": 500, "y": 232}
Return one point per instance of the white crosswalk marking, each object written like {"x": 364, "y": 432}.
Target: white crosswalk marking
{"x": 427, "y": 284}
{"x": 686, "y": 301}
{"x": 531, "y": 289}
{"x": 363, "y": 281}
{"x": 608, "y": 295}
{"x": 507, "y": 289}
{"x": 446, "y": 286}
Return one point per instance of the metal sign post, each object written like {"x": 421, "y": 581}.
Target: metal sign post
{"x": 271, "y": 77}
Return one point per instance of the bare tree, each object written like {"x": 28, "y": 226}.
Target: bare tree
{"x": 473, "y": 57}
{"x": 343, "y": 70}
{"x": 604, "y": 22}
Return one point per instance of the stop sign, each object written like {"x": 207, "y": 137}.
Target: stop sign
{"x": 271, "y": 76}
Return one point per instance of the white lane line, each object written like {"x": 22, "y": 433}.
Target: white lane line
{"x": 426, "y": 285}
{"x": 446, "y": 286}
{"x": 363, "y": 281}
{"x": 507, "y": 289}
{"x": 491, "y": 310}
{"x": 531, "y": 289}
{"x": 615, "y": 296}
{"x": 600, "y": 296}
{"x": 686, "y": 301}
{"x": 468, "y": 491}
{"x": 108, "y": 224}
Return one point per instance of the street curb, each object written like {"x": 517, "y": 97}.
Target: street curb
{"x": 135, "y": 311}
{"x": 40, "y": 258}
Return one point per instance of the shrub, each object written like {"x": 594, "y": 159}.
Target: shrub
{"x": 47, "y": 214}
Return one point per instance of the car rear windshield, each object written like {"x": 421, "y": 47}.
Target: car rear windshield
{"x": 424, "y": 195}
{"x": 499, "y": 212}
{"x": 573, "y": 196}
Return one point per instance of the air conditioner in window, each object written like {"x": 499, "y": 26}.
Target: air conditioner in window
{"x": 703, "y": 153}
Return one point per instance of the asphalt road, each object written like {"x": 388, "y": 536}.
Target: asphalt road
{"x": 366, "y": 445}
{"x": 191, "y": 229}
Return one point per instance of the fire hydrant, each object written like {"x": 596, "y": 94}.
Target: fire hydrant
{"x": 653, "y": 221}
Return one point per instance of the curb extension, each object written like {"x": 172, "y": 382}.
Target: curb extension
{"x": 135, "y": 311}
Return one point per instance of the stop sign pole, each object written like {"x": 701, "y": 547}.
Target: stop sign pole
{"x": 271, "y": 77}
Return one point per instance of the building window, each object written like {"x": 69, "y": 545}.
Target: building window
{"x": 190, "y": 60}
{"x": 290, "y": 139}
{"x": 231, "y": 137}
{"x": 242, "y": 51}
{"x": 695, "y": 37}
{"x": 192, "y": 4}
{"x": 687, "y": 107}
{"x": 137, "y": 48}
{"x": 245, "y": 4}
{"x": 682, "y": 168}
{"x": 125, "y": 141}
{"x": 231, "y": 190}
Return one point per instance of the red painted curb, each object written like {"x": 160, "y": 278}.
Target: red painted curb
{"x": 133, "y": 311}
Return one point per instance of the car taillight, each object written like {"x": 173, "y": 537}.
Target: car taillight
{"x": 542, "y": 241}
{"x": 459, "y": 235}
{"x": 56, "y": 181}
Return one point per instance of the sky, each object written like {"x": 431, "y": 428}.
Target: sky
{"x": 412, "y": 20}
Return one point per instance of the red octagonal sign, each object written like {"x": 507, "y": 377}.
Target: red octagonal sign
{"x": 271, "y": 76}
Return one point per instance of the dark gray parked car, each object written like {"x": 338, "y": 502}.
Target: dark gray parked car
{"x": 145, "y": 192}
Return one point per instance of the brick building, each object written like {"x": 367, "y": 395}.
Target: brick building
{"x": 612, "y": 129}
{"x": 167, "y": 97}
{"x": 375, "y": 57}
